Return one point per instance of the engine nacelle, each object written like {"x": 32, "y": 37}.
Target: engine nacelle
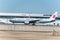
{"x": 26, "y": 22}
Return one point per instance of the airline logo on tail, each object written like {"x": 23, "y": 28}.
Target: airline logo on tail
{"x": 53, "y": 17}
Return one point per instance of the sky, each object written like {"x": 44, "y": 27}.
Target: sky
{"x": 29, "y": 6}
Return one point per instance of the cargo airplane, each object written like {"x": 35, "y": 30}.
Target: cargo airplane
{"x": 33, "y": 21}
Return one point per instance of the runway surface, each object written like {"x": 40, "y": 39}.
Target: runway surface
{"x": 26, "y": 35}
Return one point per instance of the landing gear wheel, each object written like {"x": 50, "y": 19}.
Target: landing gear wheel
{"x": 33, "y": 24}
{"x": 57, "y": 24}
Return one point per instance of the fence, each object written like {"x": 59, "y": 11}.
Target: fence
{"x": 28, "y": 27}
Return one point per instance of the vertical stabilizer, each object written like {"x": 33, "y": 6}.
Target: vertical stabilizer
{"x": 53, "y": 17}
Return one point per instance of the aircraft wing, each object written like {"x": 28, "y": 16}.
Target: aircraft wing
{"x": 33, "y": 21}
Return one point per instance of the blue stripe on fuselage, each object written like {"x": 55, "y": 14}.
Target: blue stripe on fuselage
{"x": 47, "y": 21}
{"x": 14, "y": 21}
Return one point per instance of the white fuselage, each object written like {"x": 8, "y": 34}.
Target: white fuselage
{"x": 27, "y": 20}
